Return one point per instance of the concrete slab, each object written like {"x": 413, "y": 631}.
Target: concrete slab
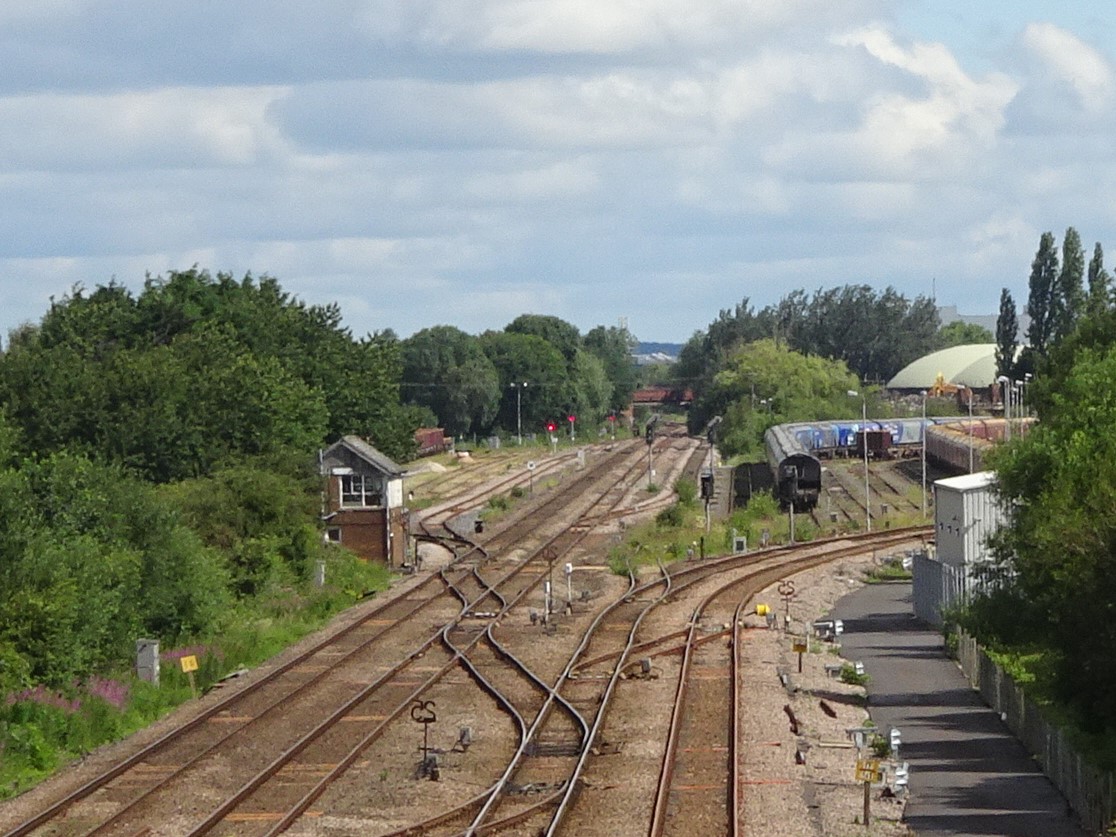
{"x": 968, "y": 773}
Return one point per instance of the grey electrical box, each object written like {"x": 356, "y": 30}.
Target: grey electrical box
{"x": 147, "y": 660}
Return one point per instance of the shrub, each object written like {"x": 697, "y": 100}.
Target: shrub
{"x": 686, "y": 491}
{"x": 670, "y": 517}
{"x": 849, "y": 676}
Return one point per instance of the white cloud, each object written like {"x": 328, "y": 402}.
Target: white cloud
{"x": 954, "y": 118}
{"x": 165, "y": 128}
{"x": 1073, "y": 64}
{"x": 557, "y": 156}
{"x": 587, "y": 26}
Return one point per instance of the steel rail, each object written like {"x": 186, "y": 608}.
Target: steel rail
{"x": 202, "y": 718}
{"x": 233, "y": 699}
{"x": 346, "y": 762}
{"x": 752, "y": 582}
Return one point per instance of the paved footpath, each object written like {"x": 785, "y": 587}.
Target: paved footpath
{"x": 968, "y": 773}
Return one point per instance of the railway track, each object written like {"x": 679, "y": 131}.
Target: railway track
{"x": 287, "y": 707}
{"x": 312, "y": 741}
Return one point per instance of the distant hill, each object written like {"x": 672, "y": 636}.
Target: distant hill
{"x": 669, "y": 349}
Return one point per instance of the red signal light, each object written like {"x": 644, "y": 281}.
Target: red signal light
{"x": 571, "y": 418}
{"x": 551, "y": 426}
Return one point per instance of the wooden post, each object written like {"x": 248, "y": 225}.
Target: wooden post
{"x": 867, "y": 804}
{"x": 189, "y": 666}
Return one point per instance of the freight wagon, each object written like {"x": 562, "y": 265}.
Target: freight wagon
{"x": 950, "y": 444}
{"x": 431, "y": 440}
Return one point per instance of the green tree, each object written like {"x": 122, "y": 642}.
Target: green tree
{"x": 764, "y": 383}
{"x": 1059, "y": 488}
{"x": 446, "y": 370}
{"x": 91, "y": 560}
{"x": 1042, "y": 304}
{"x": 1007, "y": 330}
{"x": 706, "y": 352}
{"x": 959, "y": 333}
{"x": 560, "y": 334}
{"x": 613, "y": 346}
{"x": 1100, "y": 285}
{"x": 261, "y": 518}
{"x": 528, "y": 357}
{"x": 592, "y": 389}
{"x": 1069, "y": 296}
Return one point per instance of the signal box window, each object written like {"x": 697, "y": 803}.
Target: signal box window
{"x": 358, "y": 490}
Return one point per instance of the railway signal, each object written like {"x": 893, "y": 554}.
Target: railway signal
{"x": 650, "y": 438}
{"x": 571, "y": 418}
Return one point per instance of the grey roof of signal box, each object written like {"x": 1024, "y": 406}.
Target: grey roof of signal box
{"x": 369, "y": 454}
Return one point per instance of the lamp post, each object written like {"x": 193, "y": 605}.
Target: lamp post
{"x": 518, "y": 387}
{"x": 1005, "y": 396}
{"x": 924, "y": 454}
{"x": 970, "y": 429}
{"x": 1024, "y": 404}
{"x": 864, "y": 443}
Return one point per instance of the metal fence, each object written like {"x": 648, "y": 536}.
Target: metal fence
{"x": 1087, "y": 789}
{"x": 938, "y": 587}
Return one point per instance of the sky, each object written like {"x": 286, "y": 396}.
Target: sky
{"x": 462, "y": 162}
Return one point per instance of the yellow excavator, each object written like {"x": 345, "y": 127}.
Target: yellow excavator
{"x": 943, "y": 387}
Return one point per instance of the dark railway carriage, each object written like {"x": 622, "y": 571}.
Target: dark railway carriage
{"x": 749, "y": 479}
{"x": 796, "y": 471}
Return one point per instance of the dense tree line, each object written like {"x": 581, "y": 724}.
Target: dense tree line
{"x": 873, "y": 334}
{"x": 195, "y": 371}
{"x": 538, "y": 369}
{"x": 1057, "y": 587}
{"x": 1053, "y": 587}
{"x": 156, "y": 458}
{"x": 157, "y": 449}
{"x": 1057, "y": 300}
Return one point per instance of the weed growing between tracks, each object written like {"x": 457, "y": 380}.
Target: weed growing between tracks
{"x": 678, "y": 532}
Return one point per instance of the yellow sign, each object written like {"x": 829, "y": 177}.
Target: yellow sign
{"x": 799, "y": 648}
{"x": 188, "y": 664}
{"x": 762, "y": 610}
{"x": 868, "y": 770}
